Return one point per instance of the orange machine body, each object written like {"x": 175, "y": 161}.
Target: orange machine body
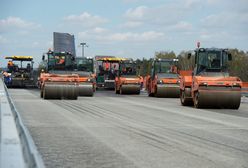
{"x": 164, "y": 79}
{"x": 127, "y": 80}
{"x": 210, "y": 89}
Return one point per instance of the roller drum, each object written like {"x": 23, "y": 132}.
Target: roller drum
{"x": 85, "y": 90}
{"x": 220, "y": 99}
{"x": 130, "y": 89}
{"x": 60, "y": 90}
{"x": 52, "y": 91}
{"x": 70, "y": 91}
{"x": 172, "y": 91}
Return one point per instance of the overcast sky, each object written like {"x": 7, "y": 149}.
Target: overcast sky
{"x": 126, "y": 28}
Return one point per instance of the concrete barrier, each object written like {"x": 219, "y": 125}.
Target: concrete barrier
{"x": 17, "y": 146}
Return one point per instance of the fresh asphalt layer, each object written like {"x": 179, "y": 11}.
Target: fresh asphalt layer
{"x": 126, "y": 131}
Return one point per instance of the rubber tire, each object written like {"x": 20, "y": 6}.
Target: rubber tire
{"x": 117, "y": 91}
{"x": 120, "y": 90}
{"x": 150, "y": 94}
{"x": 41, "y": 93}
{"x": 184, "y": 101}
{"x": 196, "y": 101}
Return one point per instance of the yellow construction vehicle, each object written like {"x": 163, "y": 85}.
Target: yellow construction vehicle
{"x": 19, "y": 71}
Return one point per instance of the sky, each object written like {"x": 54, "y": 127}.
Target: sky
{"x": 125, "y": 28}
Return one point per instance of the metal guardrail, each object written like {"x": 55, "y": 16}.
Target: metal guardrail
{"x": 17, "y": 146}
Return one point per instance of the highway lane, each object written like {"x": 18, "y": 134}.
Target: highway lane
{"x": 110, "y": 130}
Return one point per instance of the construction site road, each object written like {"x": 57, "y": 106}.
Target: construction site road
{"x": 126, "y": 131}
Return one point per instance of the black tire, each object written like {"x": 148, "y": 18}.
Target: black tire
{"x": 117, "y": 91}
{"x": 151, "y": 94}
{"x": 120, "y": 91}
{"x": 184, "y": 101}
{"x": 197, "y": 104}
{"x": 41, "y": 93}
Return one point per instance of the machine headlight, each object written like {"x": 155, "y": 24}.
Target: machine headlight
{"x": 203, "y": 84}
{"x": 160, "y": 81}
{"x": 236, "y": 85}
{"x": 90, "y": 80}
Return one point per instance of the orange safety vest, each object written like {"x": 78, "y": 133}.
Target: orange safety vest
{"x": 10, "y": 63}
{"x": 61, "y": 61}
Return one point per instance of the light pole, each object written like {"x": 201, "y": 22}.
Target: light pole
{"x": 83, "y": 44}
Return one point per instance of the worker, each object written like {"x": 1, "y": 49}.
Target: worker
{"x": 123, "y": 71}
{"x": 61, "y": 61}
{"x": 173, "y": 69}
{"x": 129, "y": 70}
{"x": 107, "y": 66}
{"x": 10, "y": 65}
{"x": 28, "y": 67}
{"x": 215, "y": 63}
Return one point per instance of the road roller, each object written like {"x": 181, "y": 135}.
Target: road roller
{"x": 58, "y": 79}
{"x": 163, "y": 80}
{"x": 209, "y": 85}
{"x": 127, "y": 80}
{"x": 84, "y": 67}
{"x": 106, "y": 71}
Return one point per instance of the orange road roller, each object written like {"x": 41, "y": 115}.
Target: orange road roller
{"x": 209, "y": 85}
{"x": 127, "y": 80}
{"x": 164, "y": 79}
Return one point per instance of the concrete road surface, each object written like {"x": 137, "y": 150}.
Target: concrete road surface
{"x": 128, "y": 131}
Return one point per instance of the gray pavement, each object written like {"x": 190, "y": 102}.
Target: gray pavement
{"x": 110, "y": 130}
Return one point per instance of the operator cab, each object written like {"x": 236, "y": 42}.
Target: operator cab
{"x": 60, "y": 61}
{"x": 84, "y": 64}
{"x": 165, "y": 68}
{"x": 212, "y": 61}
{"x": 127, "y": 68}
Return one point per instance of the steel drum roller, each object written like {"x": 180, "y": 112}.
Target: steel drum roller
{"x": 165, "y": 90}
{"x": 130, "y": 89}
{"x": 60, "y": 90}
{"x": 221, "y": 99}
{"x": 70, "y": 91}
{"x": 52, "y": 91}
{"x": 85, "y": 90}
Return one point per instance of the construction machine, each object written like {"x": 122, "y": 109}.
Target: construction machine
{"x": 57, "y": 80}
{"x": 19, "y": 72}
{"x": 84, "y": 67}
{"x": 209, "y": 85}
{"x": 106, "y": 71}
{"x": 163, "y": 80}
{"x": 127, "y": 80}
